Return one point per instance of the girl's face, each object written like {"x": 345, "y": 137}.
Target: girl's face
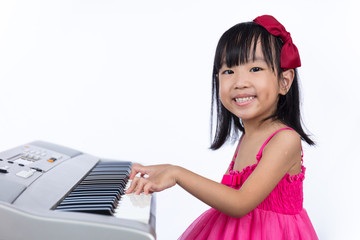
{"x": 251, "y": 90}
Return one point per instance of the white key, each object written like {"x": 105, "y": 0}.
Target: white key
{"x": 134, "y": 207}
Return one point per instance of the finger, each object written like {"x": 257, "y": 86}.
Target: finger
{"x": 135, "y": 168}
{"x": 132, "y": 172}
{"x": 133, "y": 185}
{"x": 147, "y": 188}
{"x": 140, "y": 186}
{"x": 138, "y": 168}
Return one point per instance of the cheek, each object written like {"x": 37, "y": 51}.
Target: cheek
{"x": 223, "y": 92}
{"x": 225, "y": 99}
{"x": 222, "y": 98}
{"x": 269, "y": 91}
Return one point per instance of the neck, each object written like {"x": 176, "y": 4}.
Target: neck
{"x": 254, "y": 127}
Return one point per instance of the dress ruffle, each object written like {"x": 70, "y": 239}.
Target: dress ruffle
{"x": 256, "y": 225}
{"x": 286, "y": 197}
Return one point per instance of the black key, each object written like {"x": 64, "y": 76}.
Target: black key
{"x": 91, "y": 209}
{"x": 100, "y": 191}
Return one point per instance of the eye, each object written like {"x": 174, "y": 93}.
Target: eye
{"x": 226, "y": 72}
{"x": 255, "y": 69}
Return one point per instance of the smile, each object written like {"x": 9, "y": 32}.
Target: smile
{"x": 245, "y": 99}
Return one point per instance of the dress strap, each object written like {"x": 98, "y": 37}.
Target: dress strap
{"x": 259, "y": 155}
{"x": 237, "y": 149}
{"x": 231, "y": 167}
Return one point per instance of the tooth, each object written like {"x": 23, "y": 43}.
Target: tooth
{"x": 240, "y": 100}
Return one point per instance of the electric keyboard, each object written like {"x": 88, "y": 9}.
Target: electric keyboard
{"x": 53, "y": 192}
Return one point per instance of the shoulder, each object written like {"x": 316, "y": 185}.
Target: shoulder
{"x": 286, "y": 137}
{"x": 285, "y": 145}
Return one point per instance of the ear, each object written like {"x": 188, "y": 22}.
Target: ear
{"x": 286, "y": 81}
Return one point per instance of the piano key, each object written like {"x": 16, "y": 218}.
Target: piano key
{"x": 118, "y": 163}
{"x": 96, "y": 193}
{"x": 134, "y": 207}
{"x": 87, "y": 202}
{"x": 104, "y": 181}
{"x": 90, "y": 209}
{"x": 96, "y": 187}
{"x": 102, "y": 186}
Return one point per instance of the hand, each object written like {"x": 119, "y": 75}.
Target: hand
{"x": 153, "y": 178}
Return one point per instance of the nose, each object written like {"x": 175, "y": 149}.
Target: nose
{"x": 240, "y": 80}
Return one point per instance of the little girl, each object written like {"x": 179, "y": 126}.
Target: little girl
{"x": 255, "y": 91}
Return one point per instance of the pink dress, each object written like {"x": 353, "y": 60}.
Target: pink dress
{"x": 280, "y": 216}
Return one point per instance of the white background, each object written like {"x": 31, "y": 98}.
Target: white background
{"x": 131, "y": 80}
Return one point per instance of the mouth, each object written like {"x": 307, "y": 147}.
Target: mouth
{"x": 244, "y": 99}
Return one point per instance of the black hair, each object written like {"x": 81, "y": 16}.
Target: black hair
{"x": 234, "y": 48}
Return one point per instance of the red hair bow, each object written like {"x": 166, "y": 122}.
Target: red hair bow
{"x": 290, "y": 57}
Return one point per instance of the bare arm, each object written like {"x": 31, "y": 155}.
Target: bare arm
{"x": 282, "y": 153}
